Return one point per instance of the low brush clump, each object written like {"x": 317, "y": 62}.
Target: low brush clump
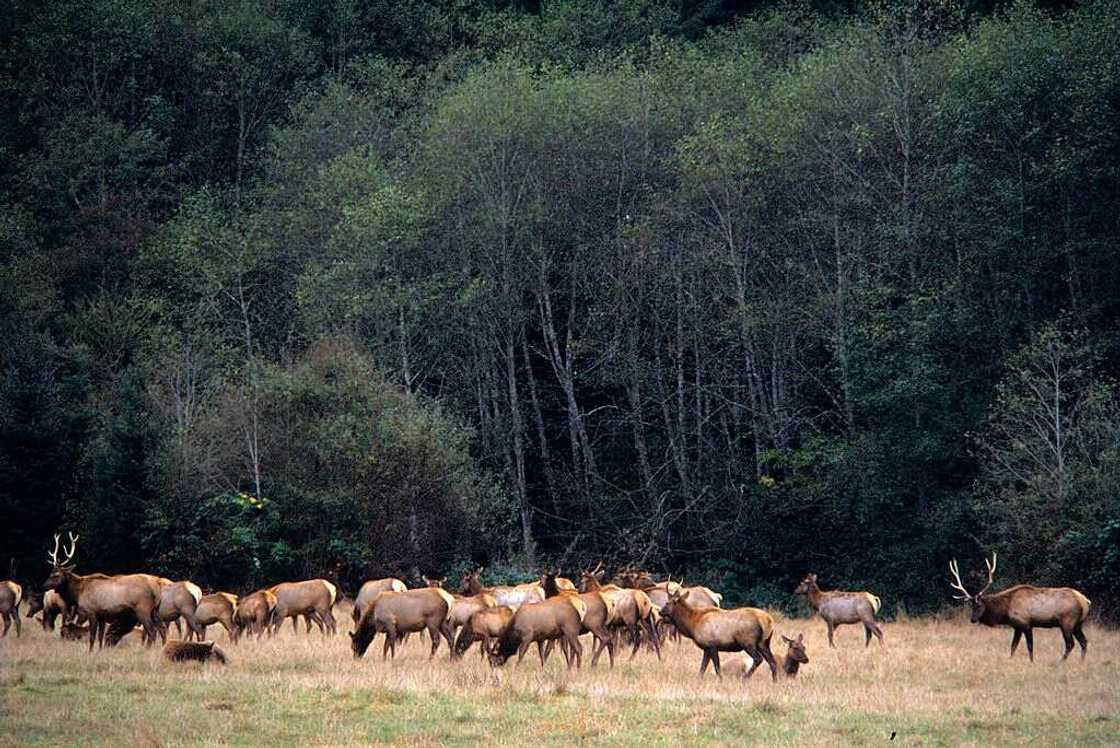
{"x": 179, "y": 651}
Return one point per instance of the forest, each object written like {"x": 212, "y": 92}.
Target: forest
{"x": 728, "y": 290}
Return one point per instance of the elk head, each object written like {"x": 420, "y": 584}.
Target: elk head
{"x": 591, "y": 579}
{"x": 471, "y": 583}
{"x": 807, "y": 584}
{"x": 797, "y": 649}
{"x": 61, "y": 571}
{"x": 977, "y": 600}
{"x": 438, "y": 583}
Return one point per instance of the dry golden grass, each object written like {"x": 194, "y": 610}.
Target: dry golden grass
{"x": 936, "y": 682}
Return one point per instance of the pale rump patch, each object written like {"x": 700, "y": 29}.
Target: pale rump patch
{"x": 195, "y": 591}
{"x": 333, "y": 590}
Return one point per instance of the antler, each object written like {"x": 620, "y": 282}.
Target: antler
{"x": 52, "y": 556}
{"x": 957, "y": 584}
{"x": 991, "y": 573}
{"x": 73, "y": 547}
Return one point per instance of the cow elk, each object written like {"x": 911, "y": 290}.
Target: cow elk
{"x": 837, "y": 608}
{"x": 514, "y": 597}
{"x": 205, "y": 651}
{"x": 488, "y": 626}
{"x": 795, "y": 656}
{"x": 397, "y": 613}
{"x": 312, "y": 598}
{"x": 101, "y": 598}
{"x": 599, "y": 613}
{"x": 217, "y": 607}
{"x": 253, "y": 614}
{"x": 369, "y": 592}
{"x": 179, "y": 601}
{"x": 1025, "y": 607}
{"x": 560, "y": 617}
{"x": 715, "y": 630}
{"x": 49, "y": 606}
{"x": 11, "y": 594}
{"x": 633, "y": 610}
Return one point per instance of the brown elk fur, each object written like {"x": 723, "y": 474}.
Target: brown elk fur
{"x": 715, "y": 630}
{"x": 1025, "y": 607}
{"x": 217, "y": 607}
{"x": 600, "y": 616}
{"x": 633, "y": 610}
{"x": 371, "y": 589}
{"x": 312, "y": 598}
{"x": 559, "y": 617}
{"x": 179, "y": 600}
{"x": 488, "y": 626}
{"x": 253, "y": 613}
{"x": 182, "y": 651}
{"x": 101, "y": 598}
{"x": 397, "y": 613}
{"x": 11, "y": 594}
{"x": 838, "y": 607}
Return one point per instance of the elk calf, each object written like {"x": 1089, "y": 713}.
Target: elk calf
{"x": 182, "y": 651}
{"x": 1025, "y": 607}
{"x": 842, "y": 607}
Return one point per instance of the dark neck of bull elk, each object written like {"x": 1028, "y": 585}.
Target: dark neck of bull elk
{"x": 684, "y": 616}
{"x": 71, "y": 586}
{"x": 548, "y": 582}
{"x": 995, "y": 609}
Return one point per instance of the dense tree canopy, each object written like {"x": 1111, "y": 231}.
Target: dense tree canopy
{"x": 732, "y": 290}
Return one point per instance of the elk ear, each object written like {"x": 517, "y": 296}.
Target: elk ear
{"x": 787, "y": 640}
{"x": 800, "y": 638}
{"x": 353, "y": 634}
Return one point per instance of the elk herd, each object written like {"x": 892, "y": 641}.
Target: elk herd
{"x": 631, "y": 608}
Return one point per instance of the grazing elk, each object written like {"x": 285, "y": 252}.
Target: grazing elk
{"x": 715, "y": 630}
{"x": 217, "y": 607}
{"x": 488, "y": 626}
{"x": 837, "y": 608}
{"x": 182, "y": 651}
{"x": 559, "y": 617}
{"x": 11, "y": 594}
{"x": 253, "y": 614}
{"x": 396, "y": 613}
{"x": 1025, "y": 607}
{"x": 633, "y": 610}
{"x": 599, "y": 614}
{"x": 369, "y": 592}
{"x": 101, "y": 598}
{"x": 312, "y": 598}
{"x": 514, "y": 597}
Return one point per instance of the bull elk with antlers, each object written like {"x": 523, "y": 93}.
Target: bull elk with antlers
{"x": 1025, "y": 607}
{"x": 101, "y": 598}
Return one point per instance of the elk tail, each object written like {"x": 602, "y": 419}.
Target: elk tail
{"x": 334, "y": 592}
{"x": 875, "y": 602}
{"x": 19, "y": 596}
{"x": 1084, "y": 602}
{"x": 196, "y": 593}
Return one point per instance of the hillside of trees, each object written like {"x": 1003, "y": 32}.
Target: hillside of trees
{"x": 730, "y": 290}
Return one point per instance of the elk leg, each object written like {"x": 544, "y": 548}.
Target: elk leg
{"x": 1080, "y": 635}
{"x": 577, "y": 652}
{"x": 1015, "y": 641}
{"x": 830, "y": 627}
{"x": 1067, "y": 639}
{"x": 7, "y": 624}
{"x": 92, "y": 632}
{"x": 449, "y": 635}
{"x": 651, "y": 630}
{"x": 756, "y": 658}
{"x": 715, "y": 664}
{"x": 768, "y": 655}
{"x": 704, "y": 662}
{"x": 433, "y": 634}
{"x": 636, "y": 636}
{"x": 521, "y": 650}
{"x": 541, "y": 654}
{"x": 1029, "y": 635}
{"x": 878, "y": 631}
{"x": 866, "y": 636}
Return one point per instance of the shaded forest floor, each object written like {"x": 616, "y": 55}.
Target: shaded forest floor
{"x": 936, "y": 682}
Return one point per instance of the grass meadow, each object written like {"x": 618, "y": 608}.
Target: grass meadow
{"x": 937, "y": 682}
